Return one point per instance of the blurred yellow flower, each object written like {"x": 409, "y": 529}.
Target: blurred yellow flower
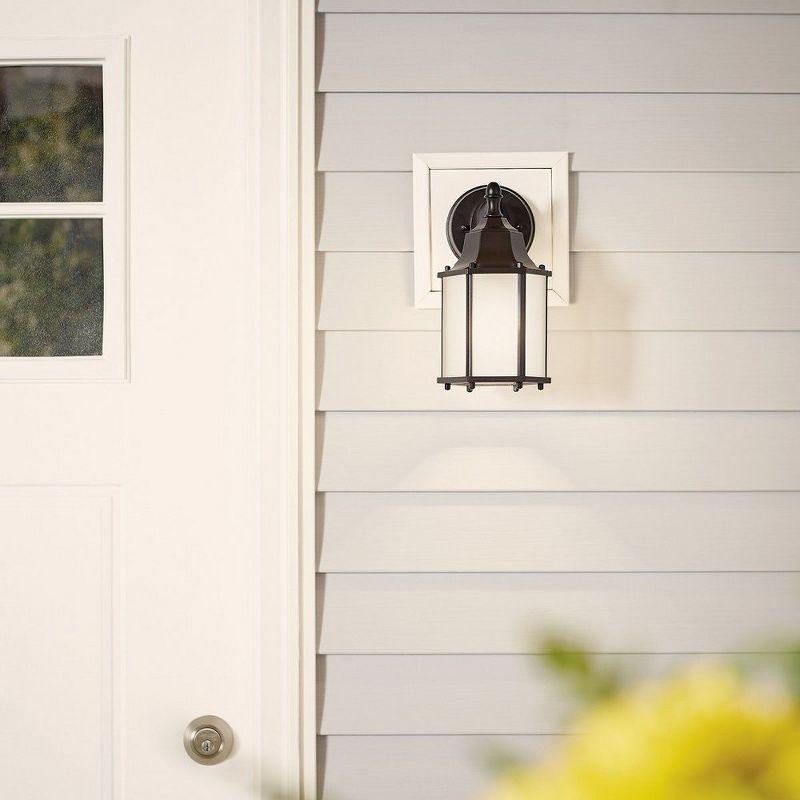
{"x": 704, "y": 734}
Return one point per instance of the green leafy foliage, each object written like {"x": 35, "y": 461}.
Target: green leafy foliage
{"x": 51, "y": 270}
{"x": 582, "y": 674}
{"x": 51, "y": 287}
{"x": 793, "y": 670}
{"x": 777, "y": 659}
{"x": 51, "y": 134}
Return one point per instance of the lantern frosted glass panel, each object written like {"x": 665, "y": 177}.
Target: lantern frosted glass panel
{"x": 495, "y": 324}
{"x": 454, "y": 322}
{"x": 536, "y": 326}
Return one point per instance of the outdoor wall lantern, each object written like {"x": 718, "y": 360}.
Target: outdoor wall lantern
{"x": 494, "y": 298}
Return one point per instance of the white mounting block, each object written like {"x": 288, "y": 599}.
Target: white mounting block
{"x": 441, "y": 178}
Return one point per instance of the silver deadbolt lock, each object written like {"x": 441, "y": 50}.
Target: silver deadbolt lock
{"x": 208, "y": 740}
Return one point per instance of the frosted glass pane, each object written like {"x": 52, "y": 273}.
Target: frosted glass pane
{"x": 454, "y": 339}
{"x": 495, "y": 313}
{"x": 535, "y": 307}
{"x": 51, "y": 287}
{"x": 51, "y": 134}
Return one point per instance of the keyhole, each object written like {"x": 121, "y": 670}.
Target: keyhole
{"x": 208, "y": 740}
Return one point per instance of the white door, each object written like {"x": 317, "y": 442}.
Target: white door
{"x": 134, "y": 542}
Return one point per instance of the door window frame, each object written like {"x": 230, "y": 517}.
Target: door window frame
{"x": 110, "y": 53}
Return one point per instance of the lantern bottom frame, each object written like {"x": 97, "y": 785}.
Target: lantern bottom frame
{"x": 517, "y": 381}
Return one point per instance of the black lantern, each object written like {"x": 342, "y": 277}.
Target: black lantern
{"x": 494, "y": 298}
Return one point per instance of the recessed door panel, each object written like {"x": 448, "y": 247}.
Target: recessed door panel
{"x": 56, "y": 615}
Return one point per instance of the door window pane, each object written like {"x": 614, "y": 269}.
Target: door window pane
{"x": 51, "y": 287}
{"x": 51, "y": 134}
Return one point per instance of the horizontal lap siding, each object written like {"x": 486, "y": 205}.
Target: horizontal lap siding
{"x": 603, "y": 132}
{"x": 560, "y": 532}
{"x": 611, "y": 291}
{"x": 611, "y": 211}
{"x": 559, "y": 53}
{"x": 416, "y": 767}
{"x": 466, "y": 695}
{"x": 721, "y": 612}
{"x": 650, "y": 504}
{"x": 389, "y": 695}
{"x": 556, "y": 451}
{"x": 566, "y": 6}
{"x": 687, "y": 371}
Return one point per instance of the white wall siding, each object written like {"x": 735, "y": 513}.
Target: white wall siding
{"x": 604, "y": 132}
{"x": 696, "y": 612}
{"x": 614, "y": 292}
{"x": 568, "y": 6}
{"x": 611, "y": 371}
{"x": 611, "y": 211}
{"x": 560, "y": 53}
{"x": 648, "y": 500}
{"x": 557, "y": 531}
{"x": 418, "y": 767}
{"x": 550, "y": 451}
{"x": 465, "y": 695}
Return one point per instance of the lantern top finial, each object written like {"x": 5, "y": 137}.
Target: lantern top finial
{"x": 494, "y": 195}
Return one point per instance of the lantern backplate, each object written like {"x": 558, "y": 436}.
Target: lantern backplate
{"x": 471, "y": 208}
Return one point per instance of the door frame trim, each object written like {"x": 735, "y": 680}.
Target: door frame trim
{"x": 282, "y": 146}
